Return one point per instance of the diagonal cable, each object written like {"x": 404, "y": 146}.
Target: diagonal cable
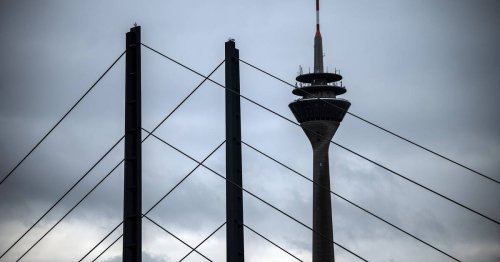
{"x": 60, "y": 120}
{"x": 67, "y": 213}
{"x": 205, "y": 78}
{"x": 274, "y": 244}
{"x": 368, "y": 159}
{"x": 185, "y": 177}
{"x": 157, "y": 202}
{"x": 255, "y": 196}
{"x": 102, "y": 240}
{"x": 377, "y": 126}
{"x": 176, "y": 237}
{"x": 161, "y": 122}
{"x": 337, "y": 144}
{"x": 86, "y": 195}
{"x": 182, "y": 241}
{"x": 176, "y": 62}
{"x": 61, "y": 198}
{"x": 203, "y": 241}
{"x": 106, "y": 249}
{"x": 350, "y": 202}
{"x": 154, "y": 129}
{"x": 192, "y": 249}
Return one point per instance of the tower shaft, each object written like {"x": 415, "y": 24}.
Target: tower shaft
{"x": 320, "y": 133}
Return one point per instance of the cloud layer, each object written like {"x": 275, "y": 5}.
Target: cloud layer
{"x": 427, "y": 70}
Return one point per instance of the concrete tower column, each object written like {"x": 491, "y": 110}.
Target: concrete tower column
{"x": 320, "y": 133}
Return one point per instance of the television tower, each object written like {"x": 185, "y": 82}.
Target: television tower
{"x": 319, "y": 113}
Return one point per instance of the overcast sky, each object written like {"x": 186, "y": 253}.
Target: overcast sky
{"x": 428, "y": 70}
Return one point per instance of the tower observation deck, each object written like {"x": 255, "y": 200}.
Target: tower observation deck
{"x": 319, "y": 113}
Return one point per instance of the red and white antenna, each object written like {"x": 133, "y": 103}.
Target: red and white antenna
{"x": 317, "y": 16}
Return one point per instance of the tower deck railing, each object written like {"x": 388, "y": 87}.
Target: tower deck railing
{"x": 335, "y": 84}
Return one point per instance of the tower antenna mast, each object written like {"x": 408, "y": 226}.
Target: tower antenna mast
{"x": 318, "y": 45}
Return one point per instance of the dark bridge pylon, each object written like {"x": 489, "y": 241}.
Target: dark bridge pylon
{"x": 235, "y": 250}
{"x": 132, "y": 187}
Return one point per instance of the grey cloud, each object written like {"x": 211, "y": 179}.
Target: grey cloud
{"x": 426, "y": 70}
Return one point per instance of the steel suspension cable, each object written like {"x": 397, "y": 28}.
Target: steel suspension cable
{"x": 274, "y": 244}
{"x": 106, "y": 249}
{"x": 350, "y": 202}
{"x": 81, "y": 200}
{"x": 102, "y": 240}
{"x": 86, "y": 195}
{"x": 67, "y": 213}
{"x": 205, "y": 78}
{"x": 61, "y": 119}
{"x": 203, "y": 241}
{"x": 160, "y": 200}
{"x": 147, "y": 136}
{"x": 378, "y": 126}
{"x": 61, "y": 198}
{"x": 193, "y": 249}
{"x": 257, "y": 197}
{"x": 337, "y": 144}
{"x": 369, "y": 160}
{"x": 176, "y": 237}
{"x": 185, "y": 177}
{"x": 176, "y": 62}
